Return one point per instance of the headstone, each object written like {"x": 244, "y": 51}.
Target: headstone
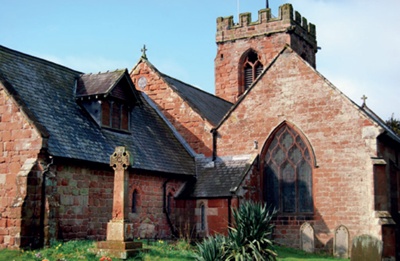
{"x": 341, "y": 242}
{"x": 307, "y": 237}
{"x": 366, "y": 248}
{"x": 147, "y": 229}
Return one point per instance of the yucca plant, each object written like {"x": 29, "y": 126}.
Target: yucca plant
{"x": 250, "y": 239}
{"x": 210, "y": 249}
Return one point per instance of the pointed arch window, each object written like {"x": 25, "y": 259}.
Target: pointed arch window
{"x": 202, "y": 217}
{"x": 251, "y": 69}
{"x": 134, "y": 201}
{"x": 169, "y": 203}
{"x": 288, "y": 172}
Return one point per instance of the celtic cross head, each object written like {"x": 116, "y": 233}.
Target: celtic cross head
{"x": 120, "y": 159}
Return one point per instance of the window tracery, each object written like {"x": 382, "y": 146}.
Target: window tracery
{"x": 288, "y": 172}
{"x": 251, "y": 69}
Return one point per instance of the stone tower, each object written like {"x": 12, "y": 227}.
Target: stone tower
{"x": 246, "y": 48}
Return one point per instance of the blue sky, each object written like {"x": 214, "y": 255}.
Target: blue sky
{"x": 360, "y": 39}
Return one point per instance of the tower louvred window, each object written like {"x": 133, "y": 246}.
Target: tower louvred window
{"x": 248, "y": 76}
{"x": 259, "y": 69}
{"x": 252, "y": 68}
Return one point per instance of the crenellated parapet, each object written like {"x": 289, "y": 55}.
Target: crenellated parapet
{"x": 288, "y": 20}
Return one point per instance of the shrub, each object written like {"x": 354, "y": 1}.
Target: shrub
{"x": 211, "y": 249}
{"x": 250, "y": 239}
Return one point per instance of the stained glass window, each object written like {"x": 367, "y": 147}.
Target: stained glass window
{"x": 288, "y": 172}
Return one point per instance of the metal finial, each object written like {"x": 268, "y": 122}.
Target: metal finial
{"x": 364, "y": 98}
{"x": 267, "y": 3}
{"x": 144, "y": 51}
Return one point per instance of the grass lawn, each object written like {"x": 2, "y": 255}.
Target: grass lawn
{"x": 160, "y": 250}
{"x": 290, "y": 254}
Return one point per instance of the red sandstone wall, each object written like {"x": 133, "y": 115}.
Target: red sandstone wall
{"x": 228, "y": 59}
{"x": 20, "y": 144}
{"x": 267, "y": 36}
{"x": 387, "y": 194}
{"x": 343, "y": 139}
{"x": 150, "y": 212}
{"x": 186, "y": 220}
{"x": 193, "y": 128}
{"x": 217, "y": 216}
{"x": 85, "y": 202}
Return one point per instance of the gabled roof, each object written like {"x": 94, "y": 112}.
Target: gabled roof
{"x": 208, "y": 106}
{"x": 219, "y": 178}
{"x": 244, "y": 95}
{"x": 364, "y": 109}
{"x": 97, "y": 84}
{"x": 388, "y": 131}
{"x": 45, "y": 91}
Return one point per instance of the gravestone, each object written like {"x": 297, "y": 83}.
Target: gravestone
{"x": 366, "y": 248}
{"x": 307, "y": 238}
{"x": 341, "y": 242}
{"x": 147, "y": 229}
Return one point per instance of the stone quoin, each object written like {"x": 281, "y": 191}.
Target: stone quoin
{"x": 276, "y": 131}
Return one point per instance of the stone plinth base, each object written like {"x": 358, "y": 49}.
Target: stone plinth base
{"x": 119, "y": 231}
{"x": 119, "y": 249}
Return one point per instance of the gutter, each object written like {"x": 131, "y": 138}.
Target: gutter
{"x": 165, "y": 210}
{"x": 45, "y": 173}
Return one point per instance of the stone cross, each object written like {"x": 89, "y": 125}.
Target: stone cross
{"x": 144, "y": 51}
{"x": 120, "y": 242}
{"x": 120, "y": 161}
{"x": 364, "y": 98}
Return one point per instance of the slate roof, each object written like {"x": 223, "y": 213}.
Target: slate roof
{"x": 101, "y": 83}
{"x": 45, "y": 92}
{"x": 219, "y": 179}
{"x": 209, "y": 106}
{"x": 388, "y": 131}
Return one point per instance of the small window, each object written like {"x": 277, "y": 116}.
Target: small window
{"x": 125, "y": 118}
{"x": 134, "y": 201}
{"x": 251, "y": 69}
{"x": 169, "y": 203}
{"x": 115, "y": 115}
{"x": 105, "y": 113}
{"x": 203, "y": 217}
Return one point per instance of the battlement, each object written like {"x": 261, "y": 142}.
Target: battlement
{"x": 287, "y": 20}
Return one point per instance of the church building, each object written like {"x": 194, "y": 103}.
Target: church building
{"x": 276, "y": 131}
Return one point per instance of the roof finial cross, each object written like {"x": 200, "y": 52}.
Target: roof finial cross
{"x": 364, "y": 98}
{"x": 144, "y": 51}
